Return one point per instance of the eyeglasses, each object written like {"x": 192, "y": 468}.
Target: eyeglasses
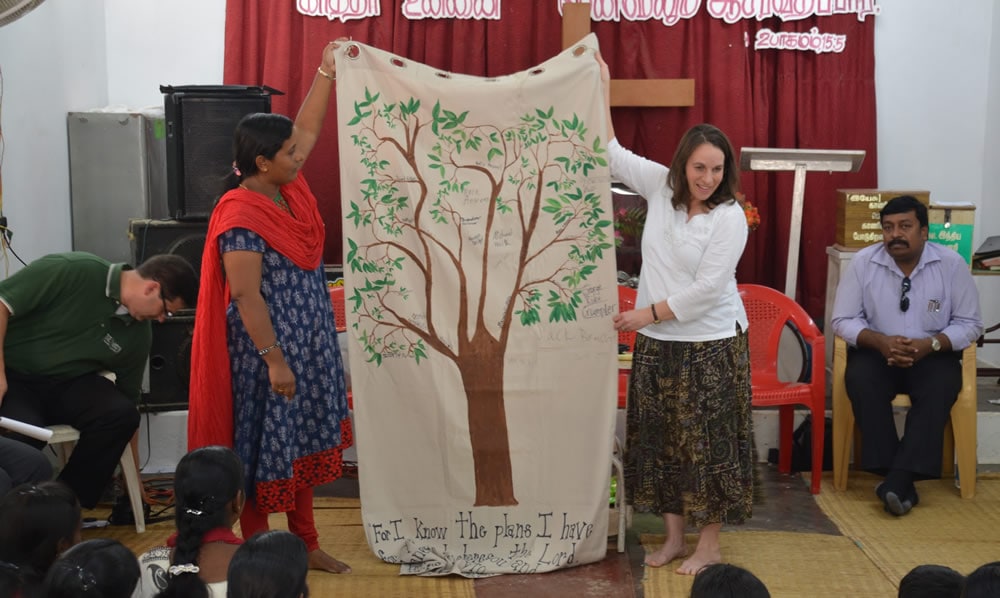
{"x": 170, "y": 314}
{"x": 904, "y": 301}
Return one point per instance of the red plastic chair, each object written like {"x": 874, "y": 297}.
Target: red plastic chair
{"x": 768, "y": 311}
{"x": 340, "y": 321}
{"x": 626, "y": 301}
{"x": 339, "y": 315}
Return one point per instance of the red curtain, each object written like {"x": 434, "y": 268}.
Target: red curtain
{"x": 765, "y": 98}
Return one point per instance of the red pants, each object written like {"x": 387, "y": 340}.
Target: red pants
{"x": 301, "y": 521}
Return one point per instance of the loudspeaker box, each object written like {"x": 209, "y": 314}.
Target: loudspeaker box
{"x": 170, "y": 356}
{"x": 170, "y": 364}
{"x": 172, "y": 237}
{"x": 200, "y": 120}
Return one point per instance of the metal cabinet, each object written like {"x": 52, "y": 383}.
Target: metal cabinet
{"x": 117, "y": 163}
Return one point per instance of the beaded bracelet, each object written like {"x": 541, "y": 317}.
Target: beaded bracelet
{"x": 266, "y": 350}
{"x": 320, "y": 70}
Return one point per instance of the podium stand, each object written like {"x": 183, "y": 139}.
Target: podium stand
{"x": 800, "y": 161}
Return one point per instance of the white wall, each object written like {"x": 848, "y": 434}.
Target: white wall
{"x": 989, "y": 219}
{"x": 938, "y": 93}
{"x": 53, "y": 62}
{"x": 937, "y": 87}
{"x": 71, "y": 55}
{"x": 151, "y": 43}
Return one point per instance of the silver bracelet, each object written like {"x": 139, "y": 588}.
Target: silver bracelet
{"x": 266, "y": 350}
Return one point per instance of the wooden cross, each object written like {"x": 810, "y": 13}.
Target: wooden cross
{"x": 627, "y": 92}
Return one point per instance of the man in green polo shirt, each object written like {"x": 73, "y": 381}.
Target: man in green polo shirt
{"x": 65, "y": 319}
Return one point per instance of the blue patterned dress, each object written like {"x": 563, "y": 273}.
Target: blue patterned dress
{"x": 285, "y": 444}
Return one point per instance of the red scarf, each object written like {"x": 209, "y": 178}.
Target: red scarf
{"x": 299, "y": 238}
{"x": 219, "y": 534}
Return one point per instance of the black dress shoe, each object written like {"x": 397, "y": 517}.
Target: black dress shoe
{"x": 880, "y": 491}
{"x": 894, "y": 505}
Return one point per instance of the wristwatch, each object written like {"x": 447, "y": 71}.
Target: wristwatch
{"x": 935, "y": 344}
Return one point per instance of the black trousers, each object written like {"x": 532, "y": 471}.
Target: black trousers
{"x": 933, "y": 384}
{"x": 92, "y": 404}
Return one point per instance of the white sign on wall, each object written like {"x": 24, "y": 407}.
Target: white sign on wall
{"x": 668, "y": 12}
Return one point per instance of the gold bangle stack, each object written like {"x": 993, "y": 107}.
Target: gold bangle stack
{"x": 320, "y": 70}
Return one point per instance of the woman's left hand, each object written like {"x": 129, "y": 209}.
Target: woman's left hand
{"x": 605, "y": 71}
{"x": 632, "y": 320}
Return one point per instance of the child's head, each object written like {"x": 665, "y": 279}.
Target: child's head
{"x": 99, "y": 568}
{"x": 931, "y": 581}
{"x": 208, "y": 489}
{"x": 984, "y": 582}
{"x": 722, "y": 580}
{"x": 208, "y": 494}
{"x": 37, "y": 523}
{"x": 271, "y": 564}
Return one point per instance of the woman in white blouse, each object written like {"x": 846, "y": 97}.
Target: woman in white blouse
{"x": 689, "y": 432}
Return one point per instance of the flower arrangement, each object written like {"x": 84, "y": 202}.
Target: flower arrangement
{"x": 753, "y": 216}
{"x": 628, "y": 223}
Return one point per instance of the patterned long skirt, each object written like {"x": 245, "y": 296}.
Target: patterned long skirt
{"x": 689, "y": 433}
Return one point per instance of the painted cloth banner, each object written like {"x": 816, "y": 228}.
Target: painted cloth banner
{"x": 480, "y": 275}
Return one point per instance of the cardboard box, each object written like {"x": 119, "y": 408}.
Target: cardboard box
{"x": 858, "y": 222}
{"x": 952, "y": 226}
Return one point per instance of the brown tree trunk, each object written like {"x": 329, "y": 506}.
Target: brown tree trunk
{"x": 483, "y": 381}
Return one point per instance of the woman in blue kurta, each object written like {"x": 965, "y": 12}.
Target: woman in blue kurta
{"x": 267, "y": 375}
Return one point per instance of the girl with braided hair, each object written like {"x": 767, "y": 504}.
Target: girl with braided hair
{"x": 208, "y": 498}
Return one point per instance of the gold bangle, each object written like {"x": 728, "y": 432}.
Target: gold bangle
{"x": 652, "y": 308}
{"x": 320, "y": 70}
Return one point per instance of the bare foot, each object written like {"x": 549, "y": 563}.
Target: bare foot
{"x": 700, "y": 559}
{"x": 324, "y": 562}
{"x": 666, "y": 553}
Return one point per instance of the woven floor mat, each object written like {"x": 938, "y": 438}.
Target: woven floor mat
{"x": 338, "y": 521}
{"x": 790, "y": 564}
{"x": 943, "y": 529}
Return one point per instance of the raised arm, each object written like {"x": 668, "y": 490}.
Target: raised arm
{"x": 312, "y": 113}
{"x": 606, "y": 88}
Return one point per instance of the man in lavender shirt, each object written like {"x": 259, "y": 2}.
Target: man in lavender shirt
{"x": 906, "y": 308}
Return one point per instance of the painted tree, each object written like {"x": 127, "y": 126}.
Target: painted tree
{"x": 415, "y": 215}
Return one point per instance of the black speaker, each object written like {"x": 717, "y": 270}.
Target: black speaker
{"x": 172, "y": 237}
{"x": 170, "y": 356}
{"x": 170, "y": 364}
{"x": 200, "y": 120}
